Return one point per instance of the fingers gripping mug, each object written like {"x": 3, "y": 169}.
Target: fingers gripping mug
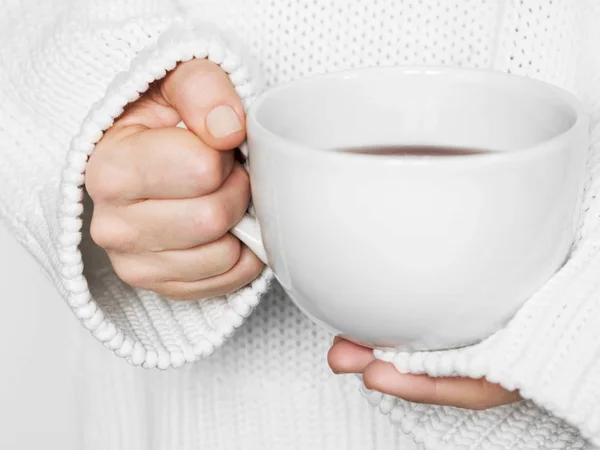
{"x": 407, "y": 252}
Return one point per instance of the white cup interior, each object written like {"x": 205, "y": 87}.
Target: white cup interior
{"x": 449, "y": 107}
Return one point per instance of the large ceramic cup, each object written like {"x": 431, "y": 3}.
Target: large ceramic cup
{"x": 406, "y": 252}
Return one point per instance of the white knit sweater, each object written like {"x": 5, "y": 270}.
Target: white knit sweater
{"x": 67, "y": 69}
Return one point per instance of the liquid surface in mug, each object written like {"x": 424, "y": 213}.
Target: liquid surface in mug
{"x": 413, "y": 150}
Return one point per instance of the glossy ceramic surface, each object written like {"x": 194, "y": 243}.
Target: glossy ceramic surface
{"x": 407, "y": 252}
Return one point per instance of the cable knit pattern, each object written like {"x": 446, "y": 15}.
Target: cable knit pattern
{"x": 80, "y": 62}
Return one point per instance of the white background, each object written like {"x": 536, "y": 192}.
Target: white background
{"x": 37, "y": 405}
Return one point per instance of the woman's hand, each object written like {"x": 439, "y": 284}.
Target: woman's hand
{"x": 165, "y": 197}
{"x": 346, "y": 357}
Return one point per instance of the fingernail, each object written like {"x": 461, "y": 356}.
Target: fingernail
{"x": 223, "y": 121}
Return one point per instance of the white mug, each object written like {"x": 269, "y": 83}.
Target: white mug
{"x": 404, "y": 252}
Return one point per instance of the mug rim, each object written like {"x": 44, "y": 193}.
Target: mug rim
{"x": 290, "y": 145}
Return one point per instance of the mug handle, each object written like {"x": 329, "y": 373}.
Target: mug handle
{"x": 248, "y": 231}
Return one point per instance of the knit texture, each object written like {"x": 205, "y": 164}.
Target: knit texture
{"x": 64, "y": 81}
{"x": 155, "y": 332}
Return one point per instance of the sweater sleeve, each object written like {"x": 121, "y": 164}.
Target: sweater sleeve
{"x": 550, "y": 350}
{"x": 66, "y": 72}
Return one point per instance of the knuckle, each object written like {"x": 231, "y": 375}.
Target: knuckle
{"x": 132, "y": 273}
{"x": 206, "y": 173}
{"x": 112, "y": 234}
{"x": 205, "y": 75}
{"x": 199, "y": 79}
{"x": 104, "y": 183}
{"x": 255, "y": 267}
{"x": 98, "y": 232}
{"x": 213, "y": 220}
{"x": 370, "y": 380}
{"x": 231, "y": 250}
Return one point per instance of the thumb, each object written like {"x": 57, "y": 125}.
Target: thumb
{"x": 202, "y": 94}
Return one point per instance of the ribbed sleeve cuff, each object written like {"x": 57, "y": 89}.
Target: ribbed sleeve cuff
{"x": 550, "y": 351}
{"x": 138, "y": 325}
